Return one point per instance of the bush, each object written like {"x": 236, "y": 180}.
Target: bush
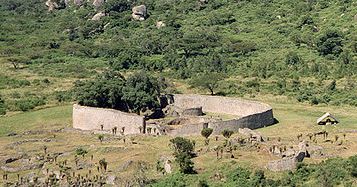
{"x": 206, "y": 132}
{"x": 63, "y": 96}
{"x": 183, "y": 152}
{"x": 227, "y": 133}
{"x": 2, "y": 106}
{"x": 353, "y": 163}
{"x": 29, "y": 104}
{"x": 332, "y": 172}
{"x": 330, "y": 43}
{"x": 292, "y": 58}
{"x": 314, "y": 100}
{"x": 81, "y": 151}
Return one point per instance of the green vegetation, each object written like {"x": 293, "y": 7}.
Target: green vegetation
{"x": 332, "y": 172}
{"x": 206, "y": 132}
{"x": 281, "y": 47}
{"x": 183, "y": 152}
{"x": 81, "y": 151}
{"x": 2, "y": 106}
{"x": 305, "y": 50}
{"x": 227, "y": 133}
{"x": 294, "y": 118}
{"x": 209, "y": 81}
{"x": 139, "y": 92}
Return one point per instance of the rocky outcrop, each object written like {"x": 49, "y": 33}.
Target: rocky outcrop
{"x": 160, "y": 24}
{"x": 289, "y": 163}
{"x": 139, "y": 13}
{"x": 253, "y": 136}
{"x": 78, "y": 2}
{"x": 97, "y": 16}
{"x": 52, "y": 5}
{"x": 98, "y": 3}
{"x": 167, "y": 166}
{"x": 22, "y": 167}
{"x": 67, "y": 2}
{"x": 282, "y": 164}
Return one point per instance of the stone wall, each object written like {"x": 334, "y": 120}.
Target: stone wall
{"x": 186, "y": 130}
{"x": 90, "y": 118}
{"x": 192, "y": 112}
{"x": 250, "y": 114}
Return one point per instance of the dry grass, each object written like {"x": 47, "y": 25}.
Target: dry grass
{"x": 293, "y": 120}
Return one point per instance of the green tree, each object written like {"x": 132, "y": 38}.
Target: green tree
{"x": 183, "y": 152}
{"x": 206, "y": 132}
{"x": 142, "y": 92}
{"x": 227, "y": 133}
{"x": 208, "y": 81}
{"x": 330, "y": 43}
{"x": 104, "y": 91}
{"x": 139, "y": 92}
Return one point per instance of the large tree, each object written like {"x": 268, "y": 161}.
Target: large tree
{"x": 105, "y": 91}
{"x": 208, "y": 81}
{"x": 330, "y": 43}
{"x": 142, "y": 92}
{"x": 139, "y": 92}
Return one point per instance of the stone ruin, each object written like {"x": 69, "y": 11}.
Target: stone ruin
{"x": 290, "y": 157}
{"x": 180, "y": 115}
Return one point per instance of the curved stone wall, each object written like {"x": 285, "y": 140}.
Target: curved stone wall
{"x": 192, "y": 112}
{"x": 91, "y": 118}
{"x": 250, "y": 114}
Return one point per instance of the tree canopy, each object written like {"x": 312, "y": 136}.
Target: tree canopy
{"x": 139, "y": 92}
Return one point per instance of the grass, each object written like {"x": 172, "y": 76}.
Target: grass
{"x": 293, "y": 119}
{"x": 49, "y": 118}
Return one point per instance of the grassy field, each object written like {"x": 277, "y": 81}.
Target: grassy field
{"x": 147, "y": 150}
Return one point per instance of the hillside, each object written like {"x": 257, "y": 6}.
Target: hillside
{"x": 134, "y": 162}
{"x": 297, "y": 56}
{"x": 302, "y": 49}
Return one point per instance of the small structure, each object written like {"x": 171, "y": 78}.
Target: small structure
{"x": 327, "y": 119}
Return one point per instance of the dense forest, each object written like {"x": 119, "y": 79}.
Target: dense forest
{"x": 302, "y": 49}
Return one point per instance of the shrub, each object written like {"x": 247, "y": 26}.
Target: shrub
{"x": 183, "y": 152}
{"x": 314, "y": 100}
{"x": 206, "y": 132}
{"x": 292, "y": 58}
{"x": 330, "y": 43}
{"x": 81, "y": 151}
{"x": 240, "y": 177}
{"x": 202, "y": 183}
{"x": 353, "y": 163}
{"x": 29, "y": 104}
{"x": 332, "y": 172}
{"x": 63, "y": 96}
{"x": 2, "y": 106}
{"x": 227, "y": 133}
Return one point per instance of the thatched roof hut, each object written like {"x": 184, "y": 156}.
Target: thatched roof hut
{"x": 327, "y": 119}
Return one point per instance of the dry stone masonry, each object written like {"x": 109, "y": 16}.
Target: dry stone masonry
{"x": 250, "y": 114}
{"x": 90, "y": 118}
{"x": 188, "y": 108}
